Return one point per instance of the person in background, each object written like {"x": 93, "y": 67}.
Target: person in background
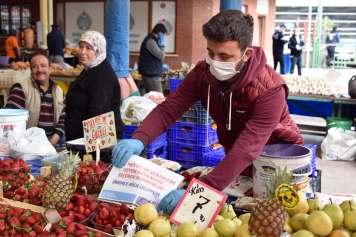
{"x": 95, "y": 91}
{"x": 296, "y": 44}
{"x": 245, "y": 97}
{"x": 278, "y": 47}
{"x": 56, "y": 44}
{"x": 43, "y": 99}
{"x": 152, "y": 53}
{"x": 332, "y": 39}
{"x": 12, "y": 47}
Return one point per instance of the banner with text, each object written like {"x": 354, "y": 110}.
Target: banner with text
{"x": 138, "y": 182}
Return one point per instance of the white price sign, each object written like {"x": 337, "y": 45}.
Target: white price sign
{"x": 200, "y": 204}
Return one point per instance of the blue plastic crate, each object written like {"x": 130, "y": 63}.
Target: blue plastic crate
{"x": 213, "y": 158}
{"x": 196, "y": 114}
{"x": 159, "y": 142}
{"x": 194, "y": 134}
{"x": 188, "y": 155}
{"x": 174, "y": 83}
{"x": 312, "y": 147}
{"x": 160, "y": 152}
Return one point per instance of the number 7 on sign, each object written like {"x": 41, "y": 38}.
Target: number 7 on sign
{"x": 200, "y": 204}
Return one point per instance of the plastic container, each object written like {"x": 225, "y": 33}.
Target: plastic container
{"x": 213, "y": 158}
{"x": 159, "y": 152}
{"x": 159, "y": 142}
{"x": 292, "y": 156}
{"x": 313, "y": 158}
{"x": 196, "y": 114}
{"x": 14, "y": 120}
{"x": 54, "y": 162}
{"x": 174, "y": 83}
{"x": 188, "y": 155}
{"x": 344, "y": 123}
{"x": 193, "y": 134}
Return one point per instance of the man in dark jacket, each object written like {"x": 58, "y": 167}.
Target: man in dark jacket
{"x": 296, "y": 45}
{"x": 331, "y": 42}
{"x": 152, "y": 53}
{"x": 245, "y": 97}
{"x": 278, "y": 47}
{"x": 56, "y": 44}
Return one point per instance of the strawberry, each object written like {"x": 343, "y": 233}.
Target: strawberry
{"x": 81, "y": 227}
{"x": 26, "y": 226}
{"x": 68, "y": 220}
{"x": 17, "y": 197}
{"x": 97, "y": 170}
{"x": 103, "y": 213}
{"x": 26, "y": 168}
{"x": 2, "y": 225}
{"x": 79, "y": 217}
{"x": 55, "y": 225}
{"x": 63, "y": 213}
{"x": 71, "y": 228}
{"x": 37, "y": 216}
{"x": 35, "y": 202}
{"x": 92, "y": 164}
{"x": 9, "y": 178}
{"x": 80, "y": 233}
{"x": 99, "y": 234}
{"x": 124, "y": 209}
{"x": 39, "y": 229}
{"x": 93, "y": 206}
{"x": 81, "y": 201}
{"x": 20, "y": 191}
{"x": 30, "y": 220}
{"x": 109, "y": 229}
{"x": 34, "y": 191}
{"x": 59, "y": 230}
{"x": 118, "y": 224}
{"x": 9, "y": 194}
{"x": 129, "y": 217}
{"x": 63, "y": 234}
{"x": 122, "y": 218}
{"x": 69, "y": 206}
{"x": 104, "y": 204}
{"x": 81, "y": 210}
{"x": 87, "y": 212}
{"x": 14, "y": 221}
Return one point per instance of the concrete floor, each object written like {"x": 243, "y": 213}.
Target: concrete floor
{"x": 336, "y": 176}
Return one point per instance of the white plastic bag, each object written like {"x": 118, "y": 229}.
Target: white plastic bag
{"x": 136, "y": 108}
{"x": 339, "y": 144}
{"x": 30, "y": 144}
{"x": 155, "y": 96}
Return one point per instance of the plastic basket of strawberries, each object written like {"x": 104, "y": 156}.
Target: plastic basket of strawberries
{"x": 92, "y": 176}
{"x": 14, "y": 173}
{"x": 110, "y": 216}
{"x": 81, "y": 207}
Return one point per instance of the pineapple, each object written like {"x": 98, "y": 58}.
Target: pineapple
{"x": 268, "y": 217}
{"x": 60, "y": 189}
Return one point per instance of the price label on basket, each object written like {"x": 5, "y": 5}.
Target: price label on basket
{"x": 101, "y": 130}
{"x": 200, "y": 204}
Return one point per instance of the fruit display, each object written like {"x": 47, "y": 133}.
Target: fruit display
{"x": 92, "y": 176}
{"x": 59, "y": 189}
{"x": 70, "y": 50}
{"x": 56, "y": 69}
{"x": 20, "y": 65}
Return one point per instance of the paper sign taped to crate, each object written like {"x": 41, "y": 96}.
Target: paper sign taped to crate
{"x": 138, "y": 182}
{"x": 200, "y": 204}
{"x": 101, "y": 127}
{"x": 240, "y": 187}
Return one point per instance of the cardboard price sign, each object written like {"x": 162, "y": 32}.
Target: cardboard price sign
{"x": 200, "y": 204}
{"x": 99, "y": 132}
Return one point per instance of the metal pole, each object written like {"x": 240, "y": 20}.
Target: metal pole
{"x": 308, "y": 37}
{"x": 317, "y": 41}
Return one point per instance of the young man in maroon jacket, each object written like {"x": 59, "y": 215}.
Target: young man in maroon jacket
{"x": 245, "y": 97}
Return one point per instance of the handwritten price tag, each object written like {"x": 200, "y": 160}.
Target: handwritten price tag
{"x": 100, "y": 128}
{"x": 200, "y": 204}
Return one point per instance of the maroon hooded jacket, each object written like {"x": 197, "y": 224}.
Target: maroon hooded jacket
{"x": 254, "y": 109}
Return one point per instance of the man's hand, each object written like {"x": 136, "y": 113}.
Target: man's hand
{"x": 54, "y": 139}
{"x": 170, "y": 201}
{"x": 125, "y": 149}
{"x": 161, "y": 41}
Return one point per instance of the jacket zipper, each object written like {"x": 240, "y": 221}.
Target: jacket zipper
{"x": 223, "y": 102}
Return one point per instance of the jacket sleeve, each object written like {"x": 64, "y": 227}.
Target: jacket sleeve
{"x": 154, "y": 49}
{"x": 291, "y": 43}
{"x": 167, "y": 113}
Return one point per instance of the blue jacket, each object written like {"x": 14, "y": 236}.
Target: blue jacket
{"x": 56, "y": 43}
{"x": 148, "y": 64}
{"x": 278, "y": 42}
{"x": 332, "y": 38}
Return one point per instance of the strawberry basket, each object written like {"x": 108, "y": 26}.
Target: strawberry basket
{"x": 14, "y": 173}
{"x": 92, "y": 176}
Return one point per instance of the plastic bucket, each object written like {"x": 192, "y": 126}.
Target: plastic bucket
{"x": 296, "y": 158}
{"x": 344, "y": 123}
{"x": 14, "y": 120}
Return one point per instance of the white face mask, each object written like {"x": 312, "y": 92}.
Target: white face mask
{"x": 223, "y": 71}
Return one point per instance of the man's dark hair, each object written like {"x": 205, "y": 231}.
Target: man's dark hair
{"x": 159, "y": 28}
{"x": 49, "y": 62}
{"x": 334, "y": 28}
{"x": 282, "y": 26}
{"x": 230, "y": 25}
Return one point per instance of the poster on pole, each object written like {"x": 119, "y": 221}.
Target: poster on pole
{"x": 138, "y": 182}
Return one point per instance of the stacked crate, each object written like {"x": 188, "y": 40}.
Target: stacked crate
{"x": 193, "y": 135}
{"x": 157, "y": 148}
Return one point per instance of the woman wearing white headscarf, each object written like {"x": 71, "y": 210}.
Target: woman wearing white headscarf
{"x": 96, "y": 90}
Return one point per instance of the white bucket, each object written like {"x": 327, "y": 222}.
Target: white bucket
{"x": 14, "y": 120}
{"x": 296, "y": 158}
